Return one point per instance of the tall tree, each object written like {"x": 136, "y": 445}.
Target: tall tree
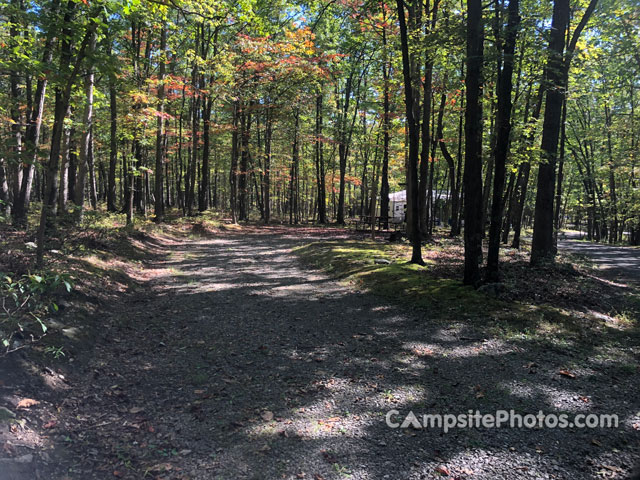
{"x": 556, "y": 79}
{"x": 503, "y": 127}
{"x": 473, "y": 140}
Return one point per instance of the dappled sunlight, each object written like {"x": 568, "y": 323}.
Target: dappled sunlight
{"x": 562, "y": 400}
{"x": 246, "y": 361}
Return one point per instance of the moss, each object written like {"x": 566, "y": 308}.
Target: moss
{"x": 355, "y": 262}
{"x": 445, "y": 299}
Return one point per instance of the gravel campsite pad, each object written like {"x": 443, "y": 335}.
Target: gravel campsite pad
{"x": 234, "y": 361}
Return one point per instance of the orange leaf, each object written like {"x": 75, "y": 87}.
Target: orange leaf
{"x": 27, "y": 402}
{"x": 442, "y": 470}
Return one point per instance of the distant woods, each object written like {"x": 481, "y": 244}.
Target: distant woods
{"x": 492, "y": 116}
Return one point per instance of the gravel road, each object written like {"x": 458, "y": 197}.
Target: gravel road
{"x": 234, "y": 362}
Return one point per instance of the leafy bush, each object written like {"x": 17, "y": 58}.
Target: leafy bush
{"x": 25, "y": 301}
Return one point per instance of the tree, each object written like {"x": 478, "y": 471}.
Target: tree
{"x": 413, "y": 220}
{"x": 556, "y": 79}
{"x": 473, "y": 228}
{"x": 503, "y": 127}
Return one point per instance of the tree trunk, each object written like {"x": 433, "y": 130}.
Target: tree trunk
{"x": 93, "y": 192}
{"x": 320, "y": 174}
{"x": 245, "y": 126}
{"x": 64, "y": 170}
{"x": 503, "y": 127}
{"x": 85, "y": 141}
{"x": 556, "y": 78}
{"x": 558, "y": 198}
{"x": 342, "y": 148}
{"x": 473, "y": 138}
{"x": 160, "y": 151}
{"x": 233, "y": 171}
{"x": 113, "y": 146}
{"x": 413, "y": 221}
{"x": 425, "y": 178}
{"x": 386, "y": 127}
{"x": 63, "y": 97}
{"x": 32, "y": 137}
{"x": 266, "y": 194}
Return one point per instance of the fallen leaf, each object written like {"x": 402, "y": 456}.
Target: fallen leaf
{"x": 442, "y": 470}
{"x": 267, "y": 415}
{"x": 596, "y": 442}
{"x": 566, "y": 373}
{"x": 136, "y": 410}
{"x": 50, "y": 424}
{"x": 612, "y": 468}
{"x": 27, "y": 402}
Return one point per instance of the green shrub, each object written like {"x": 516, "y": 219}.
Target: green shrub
{"x": 25, "y": 301}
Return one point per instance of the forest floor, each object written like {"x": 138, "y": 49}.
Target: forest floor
{"x": 221, "y": 354}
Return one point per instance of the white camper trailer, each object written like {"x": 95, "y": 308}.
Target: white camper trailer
{"x": 398, "y": 205}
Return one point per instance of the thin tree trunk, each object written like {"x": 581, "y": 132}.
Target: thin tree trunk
{"x": 320, "y": 174}
{"x": 64, "y": 170}
{"x": 233, "y": 172}
{"x": 32, "y": 138}
{"x": 267, "y": 165}
{"x": 93, "y": 193}
{"x": 413, "y": 222}
{"x": 113, "y": 146}
{"x": 85, "y": 141}
{"x": 160, "y": 151}
{"x": 386, "y": 127}
{"x": 503, "y": 127}
{"x": 63, "y": 97}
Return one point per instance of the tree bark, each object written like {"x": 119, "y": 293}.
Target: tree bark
{"x": 113, "y": 146}
{"x": 556, "y": 78}
{"x": 413, "y": 221}
{"x": 386, "y": 127}
{"x": 32, "y": 137}
{"x": 473, "y": 139}
{"x": 503, "y": 127}
{"x": 160, "y": 151}
{"x": 320, "y": 173}
{"x": 85, "y": 140}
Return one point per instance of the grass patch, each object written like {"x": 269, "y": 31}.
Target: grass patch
{"x": 548, "y": 306}
{"x": 355, "y": 262}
